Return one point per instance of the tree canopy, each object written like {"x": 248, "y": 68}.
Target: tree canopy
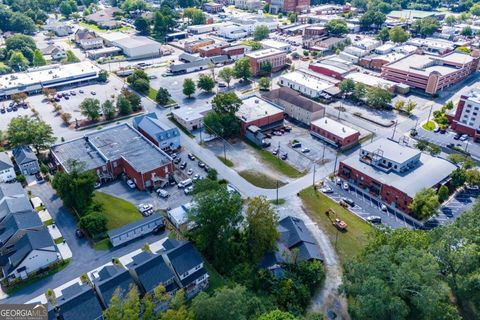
{"x": 337, "y": 27}
{"x": 30, "y": 131}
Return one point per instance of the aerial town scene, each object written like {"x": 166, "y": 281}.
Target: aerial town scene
{"x": 239, "y": 160}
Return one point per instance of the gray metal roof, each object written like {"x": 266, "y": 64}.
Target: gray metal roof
{"x": 110, "y": 144}
{"x": 18, "y": 221}
{"x": 134, "y": 225}
{"x": 194, "y": 276}
{"x": 155, "y": 128}
{"x": 295, "y": 235}
{"x": 184, "y": 257}
{"x": 79, "y": 302}
{"x": 188, "y": 65}
{"x": 151, "y": 270}
{"x": 5, "y": 161}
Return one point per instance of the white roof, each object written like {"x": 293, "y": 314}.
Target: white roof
{"x": 308, "y": 80}
{"x": 334, "y": 127}
{"x": 264, "y": 53}
{"x": 190, "y": 113}
{"x": 274, "y": 44}
{"x": 254, "y": 108}
{"x": 370, "y": 80}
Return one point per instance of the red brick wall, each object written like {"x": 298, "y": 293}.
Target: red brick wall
{"x": 325, "y": 71}
{"x": 233, "y": 52}
{"x": 148, "y": 136}
{"x": 262, "y": 122}
{"x": 343, "y": 142}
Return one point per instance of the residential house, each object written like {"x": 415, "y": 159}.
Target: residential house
{"x": 188, "y": 266}
{"x": 26, "y": 160}
{"x": 87, "y": 39}
{"x": 54, "y": 52}
{"x": 112, "y": 279}
{"x": 78, "y": 302}
{"x": 149, "y": 271}
{"x": 164, "y": 135}
{"x": 105, "y": 18}
{"x": 7, "y": 172}
{"x": 13, "y": 199}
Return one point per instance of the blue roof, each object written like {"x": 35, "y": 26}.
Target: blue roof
{"x": 24, "y": 154}
{"x": 150, "y": 124}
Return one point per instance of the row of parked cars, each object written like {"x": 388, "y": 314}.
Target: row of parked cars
{"x": 13, "y": 106}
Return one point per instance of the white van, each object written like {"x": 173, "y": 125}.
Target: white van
{"x": 185, "y": 183}
{"x": 163, "y": 193}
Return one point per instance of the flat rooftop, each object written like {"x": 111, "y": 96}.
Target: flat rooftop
{"x": 370, "y": 80}
{"x": 110, "y": 144}
{"x": 190, "y": 113}
{"x": 308, "y": 80}
{"x": 264, "y": 53}
{"x": 425, "y": 64}
{"x": 254, "y": 108}
{"x": 274, "y": 44}
{"x": 335, "y": 127}
{"x": 427, "y": 174}
{"x": 137, "y": 41}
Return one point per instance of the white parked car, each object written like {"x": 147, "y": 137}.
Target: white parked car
{"x": 326, "y": 189}
{"x": 163, "y": 193}
{"x": 383, "y": 207}
{"x": 345, "y": 186}
{"x": 190, "y": 172}
{"x": 145, "y": 209}
{"x": 305, "y": 150}
{"x": 196, "y": 177}
{"x": 188, "y": 190}
{"x": 131, "y": 184}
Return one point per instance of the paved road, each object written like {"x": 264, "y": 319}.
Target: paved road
{"x": 448, "y": 138}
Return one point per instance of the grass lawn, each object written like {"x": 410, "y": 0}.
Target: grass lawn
{"x": 226, "y": 162}
{"x": 102, "y": 245}
{"x": 216, "y": 280}
{"x": 94, "y": 27}
{"x": 277, "y": 164}
{"x": 152, "y": 94}
{"x": 118, "y": 211}
{"x": 59, "y": 240}
{"x": 349, "y": 243}
{"x": 429, "y": 126}
{"x": 280, "y": 202}
{"x": 260, "y": 179}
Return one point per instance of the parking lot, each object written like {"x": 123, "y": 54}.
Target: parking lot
{"x": 447, "y": 138}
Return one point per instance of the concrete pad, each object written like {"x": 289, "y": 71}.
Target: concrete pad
{"x": 64, "y": 250}
{"x": 54, "y": 232}
{"x": 44, "y": 215}
{"x": 36, "y": 201}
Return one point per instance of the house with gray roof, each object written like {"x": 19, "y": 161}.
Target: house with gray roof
{"x": 187, "y": 263}
{"x": 78, "y": 302}
{"x": 111, "y": 279}
{"x": 150, "y": 270}
{"x": 7, "y": 171}
{"x": 162, "y": 134}
{"x": 34, "y": 250}
{"x": 26, "y": 160}
{"x": 13, "y": 199}
{"x": 15, "y": 225}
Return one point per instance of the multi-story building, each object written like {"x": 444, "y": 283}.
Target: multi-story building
{"x": 309, "y": 83}
{"x": 256, "y": 111}
{"x": 334, "y": 133}
{"x": 212, "y": 7}
{"x": 276, "y": 58}
{"x": 162, "y": 134}
{"x": 394, "y": 172}
{"x": 115, "y": 151}
{"x": 465, "y": 118}
{"x": 248, "y": 4}
{"x": 194, "y": 45}
{"x": 277, "y": 6}
{"x": 431, "y": 73}
{"x": 235, "y": 52}
{"x": 7, "y": 171}
{"x": 214, "y": 49}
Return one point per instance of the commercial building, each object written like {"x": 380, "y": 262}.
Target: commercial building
{"x": 394, "y": 172}
{"x": 314, "y": 31}
{"x": 134, "y": 47}
{"x": 277, "y": 6}
{"x": 465, "y": 118}
{"x": 212, "y": 7}
{"x": 431, "y": 73}
{"x": 235, "y": 52}
{"x": 309, "y": 83}
{"x": 377, "y": 61}
{"x": 250, "y": 5}
{"x": 193, "y": 46}
{"x": 135, "y": 230}
{"x": 256, "y": 111}
{"x": 7, "y": 172}
{"x": 273, "y": 44}
{"x": 296, "y": 106}
{"x": 191, "y": 118}
{"x": 335, "y": 133}
{"x": 411, "y": 15}
{"x": 275, "y": 57}
{"x": 163, "y": 135}
{"x": 34, "y": 80}
{"x": 432, "y": 45}
{"x": 115, "y": 151}
{"x": 333, "y": 67}
{"x": 372, "y": 81}
{"x": 322, "y": 43}
{"x": 178, "y": 217}
{"x": 213, "y": 49}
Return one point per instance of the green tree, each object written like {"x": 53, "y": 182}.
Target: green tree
{"x": 450, "y": 20}
{"x": 75, "y": 186}
{"x": 265, "y": 68}
{"x": 71, "y": 58}
{"x": 222, "y": 121}
{"x": 378, "y": 98}
{"x": 20, "y": 42}
{"x": 260, "y": 228}
{"x": 359, "y": 91}
{"x": 467, "y": 31}
{"x": 163, "y": 96}
{"x": 384, "y": 34}
{"x": 226, "y": 74}
{"x": 277, "y": 315}
{"x": 425, "y": 203}
{"x": 133, "y": 98}
{"x": 264, "y": 83}
{"x": 199, "y": 18}
{"x": 261, "y": 32}
{"x": 124, "y": 308}
{"x": 410, "y": 106}
{"x": 475, "y": 10}
{"x": 30, "y": 131}
{"x": 216, "y": 215}
{"x": 94, "y": 223}
{"x": 206, "y": 83}
{"x": 473, "y": 177}
{"x": 67, "y": 7}
{"x": 38, "y": 59}
{"x": 90, "y": 108}
{"x": 426, "y": 26}
{"x": 227, "y": 102}
{"x": 443, "y": 193}
{"x": 337, "y": 27}
{"x": 398, "y": 35}
{"x": 103, "y": 76}
{"x": 108, "y": 109}
{"x": 21, "y": 23}
{"x": 292, "y": 16}
{"x": 188, "y": 87}
{"x": 142, "y": 25}
{"x": 139, "y": 81}
{"x": 372, "y": 18}
{"x": 17, "y": 61}
{"x": 242, "y": 69}
{"x": 123, "y": 105}
{"x": 466, "y": 162}
{"x": 458, "y": 178}
{"x": 347, "y": 85}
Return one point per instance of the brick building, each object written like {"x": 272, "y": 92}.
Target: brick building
{"x": 465, "y": 118}
{"x": 431, "y": 73}
{"x": 235, "y": 52}
{"x": 334, "y": 133}
{"x": 333, "y": 67}
{"x": 276, "y": 57}
{"x": 115, "y": 151}
{"x": 213, "y": 49}
{"x": 193, "y": 46}
{"x": 394, "y": 173}
{"x": 277, "y": 6}
{"x": 256, "y": 111}
{"x": 314, "y": 31}
{"x": 212, "y": 7}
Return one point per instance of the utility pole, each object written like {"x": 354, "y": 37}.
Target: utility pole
{"x": 277, "y": 192}
{"x": 335, "y": 165}
{"x": 394, "y": 129}
{"x": 430, "y": 113}
{"x": 313, "y": 182}
{"x": 323, "y": 153}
